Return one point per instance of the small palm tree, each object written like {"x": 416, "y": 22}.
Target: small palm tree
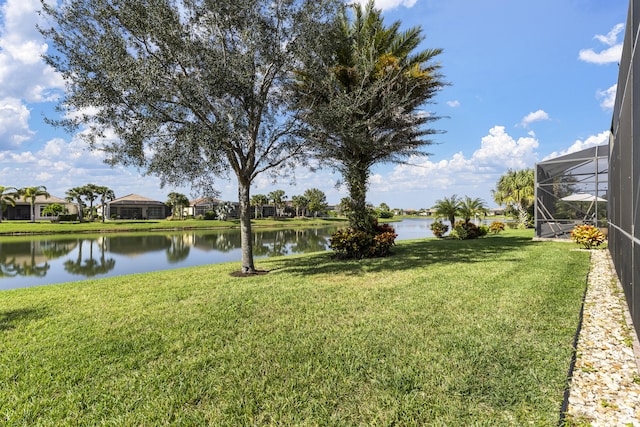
{"x": 300, "y": 203}
{"x": 178, "y": 202}
{"x": 469, "y": 208}
{"x": 90, "y": 193}
{"x": 7, "y": 197}
{"x": 105, "y": 194}
{"x": 30, "y": 194}
{"x": 258, "y": 201}
{"x": 448, "y": 207}
{"x": 277, "y": 197}
{"x": 515, "y": 189}
{"x": 75, "y": 195}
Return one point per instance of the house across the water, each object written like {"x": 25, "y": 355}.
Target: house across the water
{"x": 134, "y": 206}
{"x": 22, "y": 209}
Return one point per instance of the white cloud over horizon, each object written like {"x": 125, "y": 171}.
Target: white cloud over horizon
{"x": 606, "y": 56}
{"x": 579, "y": 145}
{"x": 533, "y": 117}
{"x": 607, "y": 97}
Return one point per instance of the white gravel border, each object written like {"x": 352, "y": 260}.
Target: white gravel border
{"x": 605, "y": 386}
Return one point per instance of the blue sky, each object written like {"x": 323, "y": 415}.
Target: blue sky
{"x": 529, "y": 80}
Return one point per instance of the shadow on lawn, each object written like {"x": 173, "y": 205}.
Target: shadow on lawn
{"x": 413, "y": 254}
{"x": 9, "y": 318}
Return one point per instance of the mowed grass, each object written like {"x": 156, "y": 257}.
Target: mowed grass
{"x": 442, "y": 333}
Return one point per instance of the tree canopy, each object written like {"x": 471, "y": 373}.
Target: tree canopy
{"x": 7, "y": 197}
{"x": 516, "y": 190}
{"x": 448, "y": 207}
{"x": 363, "y": 97}
{"x": 30, "y": 194}
{"x": 188, "y": 91}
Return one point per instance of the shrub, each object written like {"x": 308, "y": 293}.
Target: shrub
{"x": 210, "y": 215}
{"x": 438, "y": 228}
{"x": 385, "y": 214}
{"x": 68, "y": 217}
{"x": 467, "y": 230}
{"x": 588, "y": 236}
{"x": 358, "y": 244}
{"x": 496, "y": 227}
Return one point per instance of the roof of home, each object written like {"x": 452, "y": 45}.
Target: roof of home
{"x": 135, "y": 199}
{"x": 42, "y": 199}
{"x": 203, "y": 201}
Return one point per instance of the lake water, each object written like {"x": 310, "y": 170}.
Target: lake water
{"x": 42, "y": 260}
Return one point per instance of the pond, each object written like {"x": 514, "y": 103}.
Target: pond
{"x": 42, "y": 260}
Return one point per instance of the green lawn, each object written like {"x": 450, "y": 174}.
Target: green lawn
{"x": 47, "y": 227}
{"x": 442, "y": 333}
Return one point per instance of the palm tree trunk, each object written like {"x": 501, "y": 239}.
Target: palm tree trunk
{"x": 359, "y": 217}
{"x": 523, "y": 216}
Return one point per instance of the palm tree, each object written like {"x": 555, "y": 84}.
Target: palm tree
{"x": 258, "y": 201}
{"x": 75, "y": 195}
{"x": 30, "y": 194}
{"x": 364, "y": 106}
{"x": 277, "y": 198}
{"x": 178, "y": 202}
{"x": 7, "y": 197}
{"x": 105, "y": 194}
{"x": 448, "y": 207}
{"x": 469, "y": 208}
{"x": 515, "y": 190}
{"x": 300, "y": 203}
{"x": 90, "y": 193}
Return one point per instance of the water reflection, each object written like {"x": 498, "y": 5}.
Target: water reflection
{"x": 90, "y": 266}
{"x": 31, "y": 257}
{"x": 40, "y": 260}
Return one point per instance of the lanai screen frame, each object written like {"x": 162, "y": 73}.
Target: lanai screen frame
{"x": 585, "y": 172}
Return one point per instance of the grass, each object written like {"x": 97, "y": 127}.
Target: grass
{"x": 47, "y": 227}
{"x": 473, "y": 333}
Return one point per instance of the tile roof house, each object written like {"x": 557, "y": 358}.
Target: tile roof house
{"x": 22, "y": 209}
{"x": 134, "y": 206}
{"x": 203, "y": 205}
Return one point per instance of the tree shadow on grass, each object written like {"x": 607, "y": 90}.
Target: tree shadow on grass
{"x": 409, "y": 255}
{"x": 10, "y": 318}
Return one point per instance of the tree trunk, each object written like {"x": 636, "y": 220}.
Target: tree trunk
{"x": 523, "y": 216}
{"x": 245, "y": 228}
{"x": 80, "y": 216}
{"x": 33, "y": 212}
{"x": 359, "y": 217}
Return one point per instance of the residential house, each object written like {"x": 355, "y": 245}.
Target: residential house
{"x": 203, "y": 205}
{"x": 22, "y": 209}
{"x": 134, "y": 206}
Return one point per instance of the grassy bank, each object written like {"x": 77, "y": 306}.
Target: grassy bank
{"x": 47, "y": 227}
{"x": 441, "y": 333}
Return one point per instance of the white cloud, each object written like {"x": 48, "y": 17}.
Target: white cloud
{"x": 498, "y": 151}
{"x": 612, "y": 37}
{"x": 14, "y": 123}
{"x": 608, "y": 97}
{"x": 453, "y": 104}
{"x": 23, "y": 73}
{"x": 535, "y": 116}
{"x": 390, "y": 4}
{"x": 592, "y": 141}
{"x": 606, "y": 56}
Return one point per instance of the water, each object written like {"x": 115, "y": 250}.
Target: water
{"x": 43, "y": 260}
